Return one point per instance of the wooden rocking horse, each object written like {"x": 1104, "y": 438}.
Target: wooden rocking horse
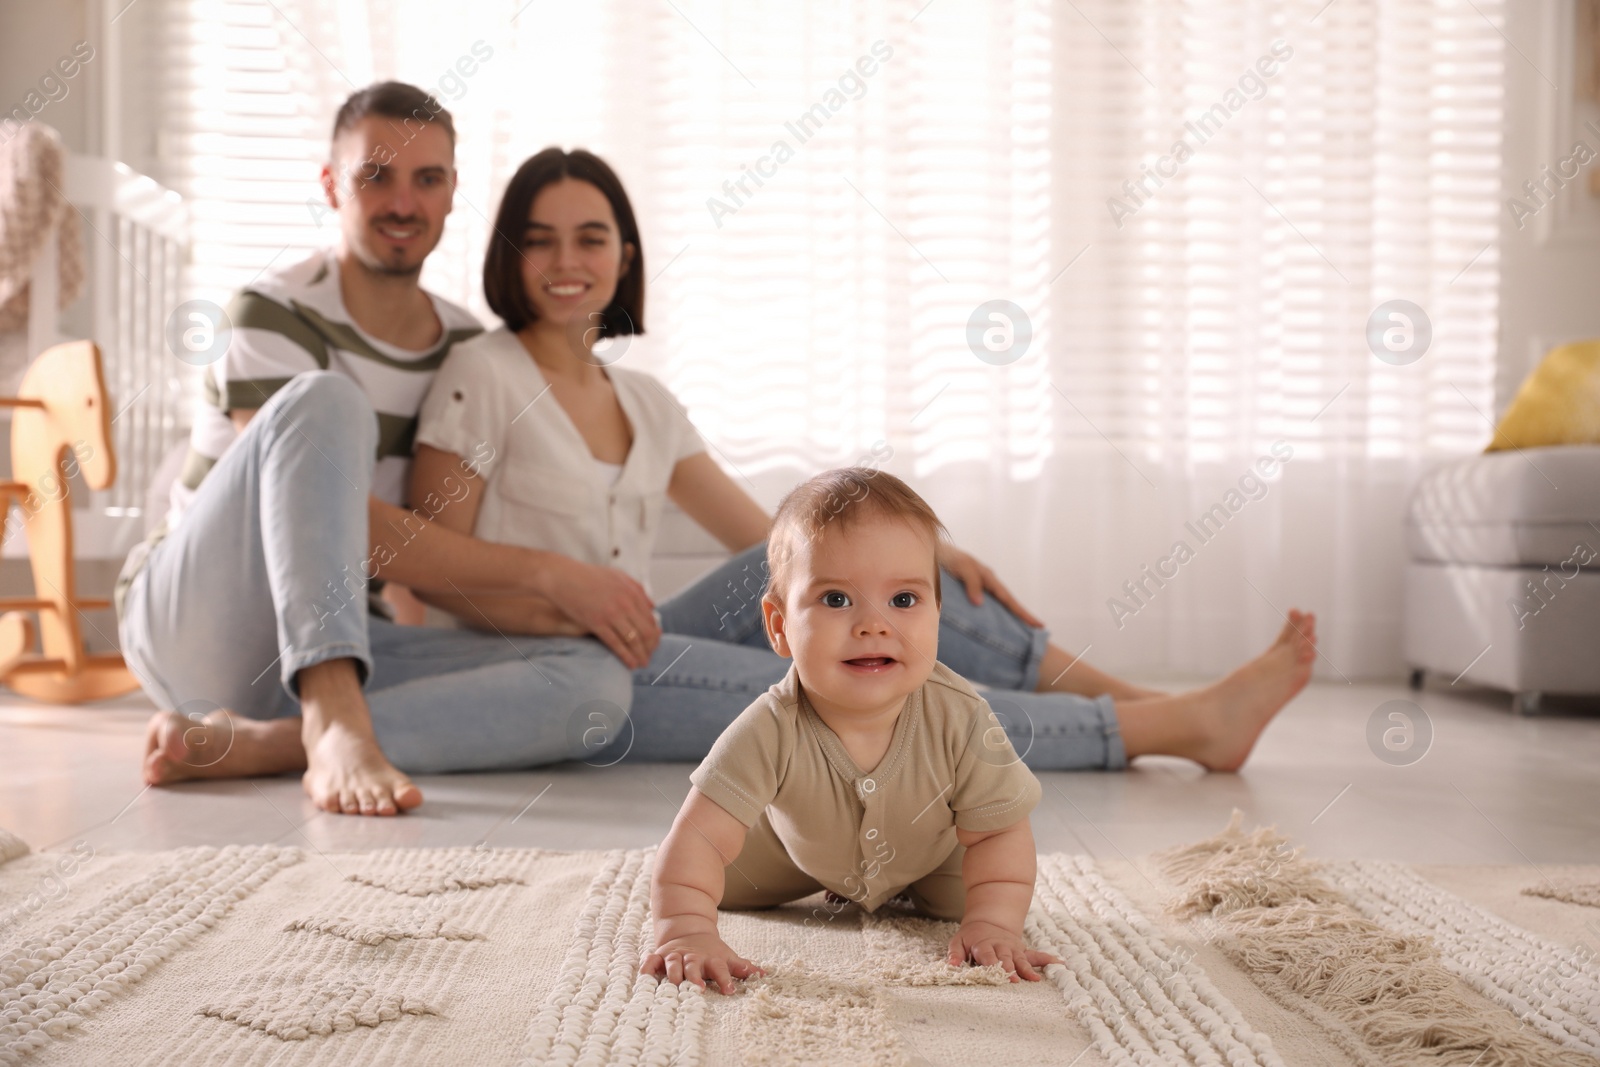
{"x": 61, "y": 421}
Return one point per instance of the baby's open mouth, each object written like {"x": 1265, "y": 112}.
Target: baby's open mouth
{"x": 870, "y": 661}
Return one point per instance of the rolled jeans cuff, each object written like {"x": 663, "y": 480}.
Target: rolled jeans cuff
{"x": 296, "y": 660}
{"x": 1111, "y": 733}
{"x": 1033, "y": 660}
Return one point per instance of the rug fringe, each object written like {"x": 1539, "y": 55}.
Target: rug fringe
{"x": 1277, "y": 916}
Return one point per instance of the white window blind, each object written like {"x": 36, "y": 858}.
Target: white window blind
{"x": 238, "y": 134}
{"x": 1230, "y": 307}
{"x": 824, "y": 306}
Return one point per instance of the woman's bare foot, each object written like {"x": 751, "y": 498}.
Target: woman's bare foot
{"x": 1217, "y": 726}
{"x": 1241, "y": 705}
{"x": 220, "y": 745}
{"x": 346, "y": 771}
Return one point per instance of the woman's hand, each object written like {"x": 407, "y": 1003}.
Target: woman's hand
{"x": 610, "y": 605}
{"x": 977, "y": 578}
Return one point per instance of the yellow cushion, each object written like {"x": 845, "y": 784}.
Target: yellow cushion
{"x": 1558, "y": 404}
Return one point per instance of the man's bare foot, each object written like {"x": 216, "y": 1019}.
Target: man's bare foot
{"x": 220, "y": 745}
{"x": 346, "y": 771}
{"x": 1234, "y": 711}
{"x": 1218, "y": 726}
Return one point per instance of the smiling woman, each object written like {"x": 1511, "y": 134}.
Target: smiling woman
{"x": 564, "y": 272}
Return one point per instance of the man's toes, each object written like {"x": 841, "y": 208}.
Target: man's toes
{"x": 165, "y": 750}
{"x": 377, "y": 801}
{"x": 407, "y": 795}
{"x": 166, "y": 737}
{"x": 326, "y": 799}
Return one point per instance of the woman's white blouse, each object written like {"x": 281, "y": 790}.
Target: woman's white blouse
{"x": 544, "y": 489}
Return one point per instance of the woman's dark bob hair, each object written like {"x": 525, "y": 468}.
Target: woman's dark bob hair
{"x": 502, "y": 267}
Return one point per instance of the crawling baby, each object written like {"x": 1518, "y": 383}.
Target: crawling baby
{"x": 870, "y": 770}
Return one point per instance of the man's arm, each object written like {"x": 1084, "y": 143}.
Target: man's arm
{"x": 434, "y": 560}
{"x": 573, "y": 598}
{"x": 438, "y": 560}
{"x": 492, "y": 582}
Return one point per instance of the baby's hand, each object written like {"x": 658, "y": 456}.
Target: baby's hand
{"x": 984, "y": 943}
{"x": 696, "y": 957}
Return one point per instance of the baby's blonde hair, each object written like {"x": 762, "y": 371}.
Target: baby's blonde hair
{"x": 837, "y": 499}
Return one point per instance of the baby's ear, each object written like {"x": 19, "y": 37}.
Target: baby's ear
{"x": 772, "y": 617}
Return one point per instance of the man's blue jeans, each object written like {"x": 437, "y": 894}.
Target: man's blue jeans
{"x": 263, "y": 578}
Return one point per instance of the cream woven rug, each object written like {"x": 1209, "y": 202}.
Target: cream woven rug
{"x": 1237, "y": 950}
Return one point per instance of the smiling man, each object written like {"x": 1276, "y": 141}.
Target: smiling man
{"x": 246, "y": 615}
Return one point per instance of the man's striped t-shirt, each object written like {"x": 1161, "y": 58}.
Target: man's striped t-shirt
{"x": 294, "y": 320}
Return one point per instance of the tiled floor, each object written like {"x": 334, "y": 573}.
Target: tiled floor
{"x": 1490, "y": 789}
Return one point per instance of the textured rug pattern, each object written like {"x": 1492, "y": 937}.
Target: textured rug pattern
{"x": 1547, "y": 986}
{"x": 1237, "y": 951}
{"x": 601, "y": 1010}
{"x": 1140, "y": 996}
{"x": 55, "y": 977}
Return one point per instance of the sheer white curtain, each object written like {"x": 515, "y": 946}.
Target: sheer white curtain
{"x": 1229, "y": 310}
{"x": 830, "y": 191}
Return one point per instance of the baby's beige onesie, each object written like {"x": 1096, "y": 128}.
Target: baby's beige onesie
{"x": 817, "y": 821}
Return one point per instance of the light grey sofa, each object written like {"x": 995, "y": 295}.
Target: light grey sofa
{"x": 1502, "y": 586}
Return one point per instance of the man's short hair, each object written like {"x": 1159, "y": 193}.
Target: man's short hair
{"x": 394, "y": 100}
{"x": 834, "y": 501}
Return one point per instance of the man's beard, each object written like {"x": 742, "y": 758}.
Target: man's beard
{"x": 391, "y": 270}
{"x": 395, "y": 265}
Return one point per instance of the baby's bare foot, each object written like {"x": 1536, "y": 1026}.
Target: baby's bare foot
{"x": 1234, "y": 711}
{"x": 220, "y": 745}
{"x": 347, "y": 773}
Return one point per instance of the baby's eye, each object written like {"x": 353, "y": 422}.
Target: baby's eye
{"x": 903, "y": 600}
{"x": 835, "y": 599}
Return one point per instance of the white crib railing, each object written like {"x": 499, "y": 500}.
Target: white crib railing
{"x": 136, "y": 239}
